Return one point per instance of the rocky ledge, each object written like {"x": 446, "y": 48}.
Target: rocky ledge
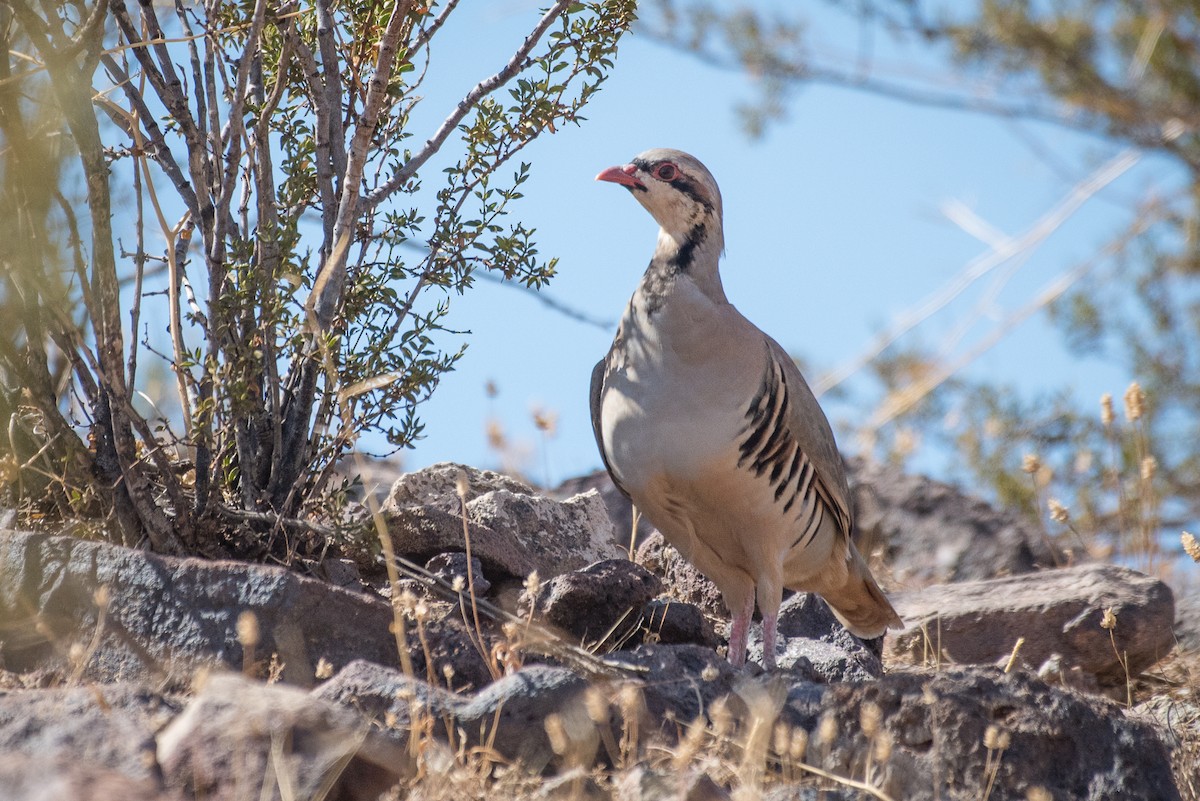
{"x": 128, "y": 675}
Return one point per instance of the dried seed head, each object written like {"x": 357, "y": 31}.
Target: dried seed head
{"x": 1135, "y": 402}
{"x": 869, "y": 717}
{"x": 1149, "y": 468}
{"x": 596, "y": 705}
{"x": 545, "y": 420}
{"x": 996, "y": 738}
{"x": 532, "y": 583}
{"x": 1031, "y": 463}
{"x": 781, "y": 738}
{"x": 458, "y": 584}
{"x": 722, "y": 719}
{"x": 827, "y": 729}
{"x": 1058, "y": 512}
{"x": 883, "y": 746}
{"x": 1109, "y": 621}
{"x": 556, "y": 732}
{"x": 247, "y": 629}
{"x": 324, "y": 669}
{"x": 1106, "y": 409}
{"x": 462, "y": 484}
{"x": 1190, "y": 546}
{"x": 448, "y": 672}
{"x": 710, "y": 672}
{"x": 798, "y": 748}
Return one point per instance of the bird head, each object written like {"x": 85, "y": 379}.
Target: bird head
{"x": 678, "y": 191}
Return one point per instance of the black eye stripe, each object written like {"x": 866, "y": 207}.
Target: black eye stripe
{"x": 681, "y": 182}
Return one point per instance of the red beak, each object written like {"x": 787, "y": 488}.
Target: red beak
{"x": 622, "y": 176}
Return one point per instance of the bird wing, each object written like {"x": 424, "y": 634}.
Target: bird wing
{"x": 599, "y": 374}
{"x": 787, "y": 429}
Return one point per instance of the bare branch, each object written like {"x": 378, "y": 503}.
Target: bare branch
{"x": 327, "y": 289}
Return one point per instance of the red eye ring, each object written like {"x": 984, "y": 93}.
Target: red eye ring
{"x": 667, "y": 172}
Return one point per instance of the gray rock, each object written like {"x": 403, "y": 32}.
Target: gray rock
{"x": 510, "y": 713}
{"x": 644, "y": 783}
{"x": 108, "y": 727}
{"x": 238, "y": 734}
{"x": 30, "y": 777}
{"x": 671, "y": 622}
{"x": 599, "y": 603}
{"x": 559, "y": 536}
{"x": 1187, "y": 621}
{"x": 620, "y": 510}
{"x": 1055, "y": 611}
{"x": 422, "y": 532}
{"x": 935, "y": 727}
{"x": 681, "y": 682}
{"x": 513, "y": 530}
{"x": 437, "y": 486}
{"x": 453, "y": 565}
{"x": 681, "y": 580}
{"x": 816, "y": 646}
{"x": 930, "y": 531}
{"x": 166, "y": 616}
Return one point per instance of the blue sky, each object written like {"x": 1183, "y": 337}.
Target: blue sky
{"x": 834, "y": 227}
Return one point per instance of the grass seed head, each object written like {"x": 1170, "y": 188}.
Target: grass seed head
{"x": 1135, "y": 402}
{"x": 1106, "y": 409}
{"x": 1031, "y": 463}
{"x": 869, "y": 717}
{"x": 247, "y": 629}
{"x": 1109, "y": 621}
{"x": 1190, "y": 546}
{"x": 1058, "y": 512}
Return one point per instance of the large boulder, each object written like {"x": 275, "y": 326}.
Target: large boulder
{"x": 283, "y": 742}
{"x": 1055, "y": 613}
{"x": 108, "y": 613}
{"x": 513, "y": 530}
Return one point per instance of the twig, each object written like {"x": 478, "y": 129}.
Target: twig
{"x": 472, "y": 98}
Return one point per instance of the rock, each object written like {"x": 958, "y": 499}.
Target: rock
{"x": 437, "y": 486}
{"x": 1056, "y": 611}
{"x": 816, "y": 646}
{"x": 932, "y": 532}
{"x": 451, "y": 566}
{"x": 1187, "y": 622}
{"x": 680, "y": 683}
{"x": 935, "y": 730}
{"x": 166, "y": 616}
{"x": 238, "y": 734}
{"x": 600, "y": 603}
{"x": 558, "y": 536}
{"x": 450, "y": 646}
{"x": 513, "y": 530}
{"x": 669, "y": 622}
{"x": 28, "y": 777}
{"x": 620, "y": 509}
{"x": 106, "y": 727}
{"x": 681, "y": 580}
{"x": 643, "y": 783}
{"x": 511, "y": 712}
{"x": 422, "y": 532}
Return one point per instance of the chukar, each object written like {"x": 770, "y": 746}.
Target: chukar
{"x": 707, "y": 425}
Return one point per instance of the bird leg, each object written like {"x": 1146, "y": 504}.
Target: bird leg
{"x": 739, "y": 632}
{"x": 769, "y": 631}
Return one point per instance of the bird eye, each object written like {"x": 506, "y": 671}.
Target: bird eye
{"x": 667, "y": 172}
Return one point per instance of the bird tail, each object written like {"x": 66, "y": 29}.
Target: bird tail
{"x": 859, "y": 603}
